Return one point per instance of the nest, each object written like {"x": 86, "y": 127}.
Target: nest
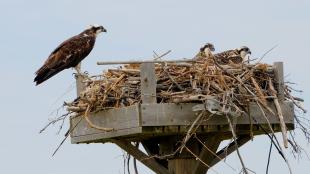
{"x": 179, "y": 83}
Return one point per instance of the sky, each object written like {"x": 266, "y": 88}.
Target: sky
{"x": 31, "y": 29}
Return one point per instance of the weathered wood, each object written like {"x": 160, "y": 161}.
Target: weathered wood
{"x": 184, "y": 162}
{"x": 79, "y": 81}
{"x": 148, "y": 83}
{"x": 169, "y": 114}
{"x": 152, "y": 148}
{"x": 144, "y": 61}
{"x": 103, "y": 136}
{"x": 230, "y": 148}
{"x": 142, "y": 157}
{"x": 122, "y": 120}
{"x": 212, "y": 143}
{"x": 182, "y": 166}
{"x": 279, "y": 78}
{"x": 167, "y": 119}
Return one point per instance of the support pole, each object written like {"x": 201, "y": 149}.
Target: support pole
{"x": 142, "y": 157}
{"x": 212, "y": 144}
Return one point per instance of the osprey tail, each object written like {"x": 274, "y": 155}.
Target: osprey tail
{"x": 45, "y": 73}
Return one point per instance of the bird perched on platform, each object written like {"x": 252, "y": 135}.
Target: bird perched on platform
{"x": 205, "y": 52}
{"x": 237, "y": 56}
{"x": 69, "y": 53}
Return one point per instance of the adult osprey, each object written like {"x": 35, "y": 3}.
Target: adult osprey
{"x": 69, "y": 53}
{"x": 236, "y": 56}
{"x": 205, "y": 52}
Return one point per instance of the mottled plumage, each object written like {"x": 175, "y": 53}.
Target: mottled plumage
{"x": 204, "y": 52}
{"x": 68, "y": 54}
{"x": 235, "y": 56}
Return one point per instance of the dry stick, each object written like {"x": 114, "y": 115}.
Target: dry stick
{"x": 273, "y": 134}
{"x": 179, "y": 86}
{"x": 241, "y": 82}
{"x": 86, "y": 114}
{"x": 197, "y": 158}
{"x": 295, "y": 103}
{"x": 128, "y": 160}
{"x": 280, "y": 114}
{"x": 235, "y": 140}
{"x": 267, "y": 53}
{"x": 269, "y": 155}
{"x": 189, "y": 132}
{"x": 213, "y": 153}
{"x": 159, "y": 57}
{"x": 62, "y": 117}
{"x": 66, "y": 136}
{"x": 145, "y": 61}
{"x": 135, "y": 160}
{"x": 259, "y": 91}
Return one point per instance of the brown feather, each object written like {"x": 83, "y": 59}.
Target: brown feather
{"x": 67, "y": 55}
{"x": 227, "y": 56}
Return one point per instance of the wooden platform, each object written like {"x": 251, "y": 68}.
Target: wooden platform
{"x": 160, "y": 126}
{"x": 146, "y": 120}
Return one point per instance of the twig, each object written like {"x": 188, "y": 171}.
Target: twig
{"x": 190, "y": 130}
{"x": 62, "y": 117}
{"x": 269, "y": 155}
{"x": 197, "y": 158}
{"x": 86, "y": 115}
{"x": 135, "y": 160}
{"x": 280, "y": 115}
{"x": 213, "y": 153}
{"x": 66, "y": 136}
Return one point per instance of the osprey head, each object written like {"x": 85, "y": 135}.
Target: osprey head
{"x": 207, "y": 46}
{"x": 244, "y": 49}
{"x": 244, "y": 52}
{"x": 95, "y": 29}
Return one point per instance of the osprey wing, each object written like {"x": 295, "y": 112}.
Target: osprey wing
{"x": 68, "y": 54}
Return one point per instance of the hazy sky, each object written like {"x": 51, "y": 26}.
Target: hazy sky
{"x": 30, "y": 30}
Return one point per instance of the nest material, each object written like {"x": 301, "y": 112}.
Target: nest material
{"x": 179, "y": 83}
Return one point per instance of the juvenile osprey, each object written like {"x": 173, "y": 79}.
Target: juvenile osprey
{"x": 205, "y": 52}
{"x": 236, "y": 56}
{"x": 69, "y": 53}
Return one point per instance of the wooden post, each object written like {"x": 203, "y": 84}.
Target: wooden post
{"x": 279, "y": 77}
{"x": 148, "y": 83}
{"x": 212, "y": 143}
{"x": 142, "y": 157}
{"x": 185, "y": 162}
{"x": 79, "y": 81}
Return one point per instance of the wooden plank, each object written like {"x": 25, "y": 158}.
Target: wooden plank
{"x": 103, "y": 137}
{"x": 169, "y": 114}
{"x": 230, "y": 149}
{"x": 122, "y": 118}
{"x": 142, "y": 157}
{"x": 144, "y": 61}
{"x": 79, "y": 81}
{"x": 148, "y": 83}
{"x": 212, "y": 143}
{"x": 279, "y": 78}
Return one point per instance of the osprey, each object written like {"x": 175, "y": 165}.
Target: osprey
{"x": 236, "y": 56}
{"x": 69, "y": 53}
{"x": 205, "y": 52}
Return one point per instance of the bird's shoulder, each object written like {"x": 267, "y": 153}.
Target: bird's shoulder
{"x": 226, "y": 54}
{"x": 74, "y": 41}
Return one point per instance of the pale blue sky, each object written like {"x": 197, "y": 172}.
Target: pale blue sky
{"x": 31, "y": 29}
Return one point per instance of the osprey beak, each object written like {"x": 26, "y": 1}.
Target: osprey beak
{"x": 104, "y": 30}
{"x": 249, "y": 52}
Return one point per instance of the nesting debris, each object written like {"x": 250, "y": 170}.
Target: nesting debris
{"x": 197, "y": 82}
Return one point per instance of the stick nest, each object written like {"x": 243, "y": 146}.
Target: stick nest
{"x": 197, "y": 82}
